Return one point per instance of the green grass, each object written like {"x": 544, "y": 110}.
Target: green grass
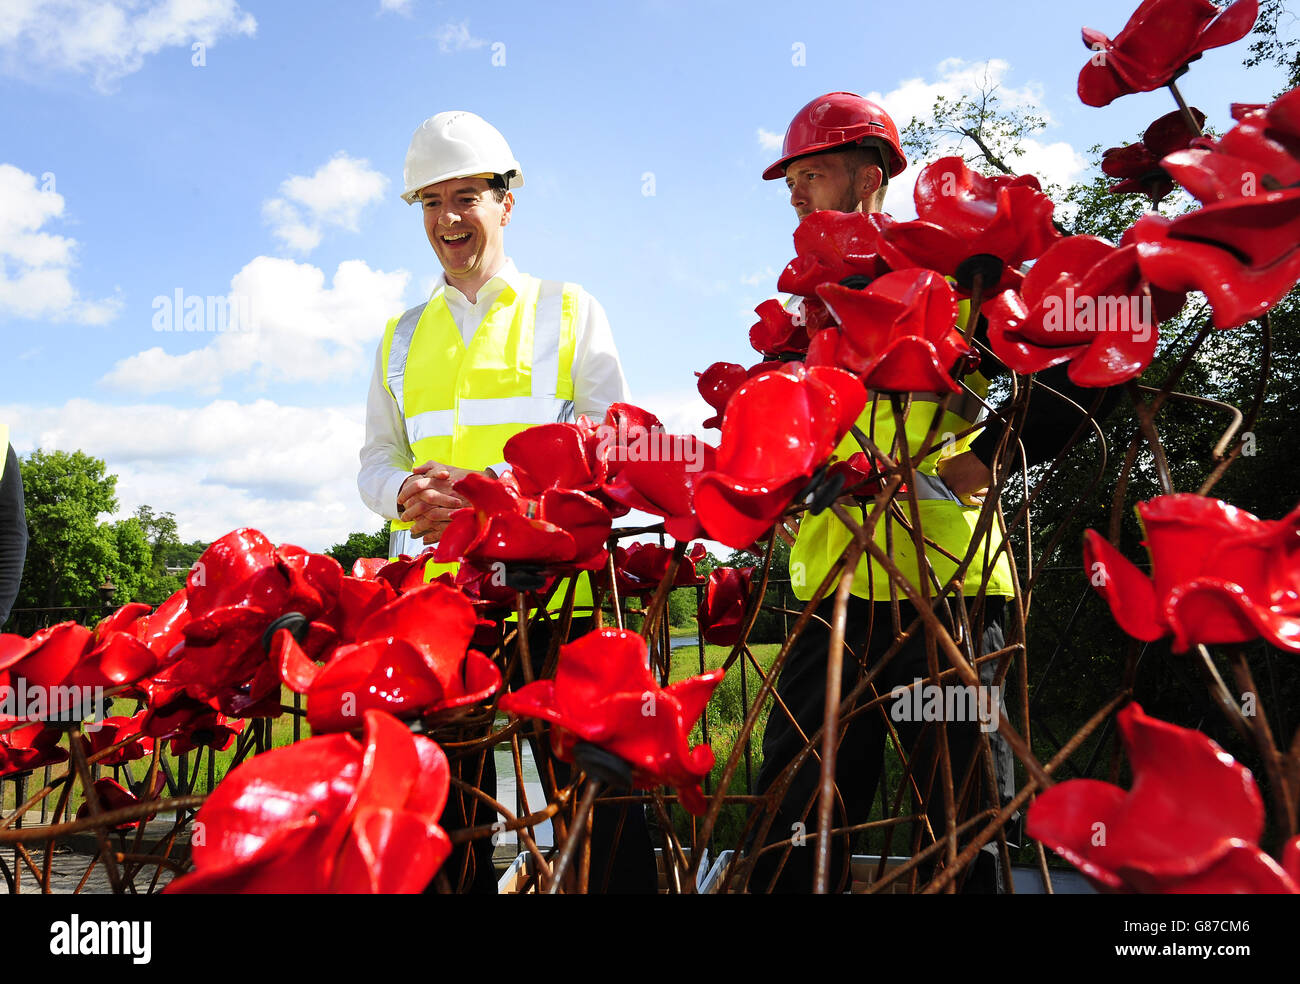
{"x": 726, "y": 715}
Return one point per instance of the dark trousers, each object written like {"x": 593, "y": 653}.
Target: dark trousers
{"x": 861, "y": 751}
{"x": 622, "y": 856}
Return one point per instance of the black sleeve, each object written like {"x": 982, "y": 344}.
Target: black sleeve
{"x": 1049, "y": 421}
{"x": 13, "y": 533}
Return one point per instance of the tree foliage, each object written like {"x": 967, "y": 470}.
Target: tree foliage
{"x": 1276, "y": 40}
{"x": 74, "y": 548}
{"x": 359, "y": 545}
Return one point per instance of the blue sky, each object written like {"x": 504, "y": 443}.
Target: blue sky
{"x": 267, "y": 162}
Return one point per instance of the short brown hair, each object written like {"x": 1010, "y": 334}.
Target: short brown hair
{"x": 870, "y": 153}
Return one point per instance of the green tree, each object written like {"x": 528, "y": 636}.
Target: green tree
{"x": 70, "y": 552}
{"x": 1276, "y": 40}
{"x": 359, "y": 545}
{"x": 160, "y": 531}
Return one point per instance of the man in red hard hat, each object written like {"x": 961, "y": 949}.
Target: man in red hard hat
{"x": 839, "y": 153}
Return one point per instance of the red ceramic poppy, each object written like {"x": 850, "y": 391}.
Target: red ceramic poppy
{"x": 30, "y": 747}
{"x": 553, "y": 456}
{"x": 779, "y": 428}
{"x": 640, "y": 567}
{"x": 716, "y": 384}
{"x": 862, "y": 475}
{"x": 832, "y": 246}
{"x": 1242, "y": 254}
{"x": 110, "y": 731}
{"x": 961, "y": 213}
{"x": 244, "y": 569}
{"x": 56, "y": 670}
{"x": 897, "y": 333}
{"x": 1159, "y": 39}
{"x": 1242, "y": 249}
{"x": 604, "y": 693}
{"x": 1261, "y": 153}
{"x": 360, "y": 598}
{"x": 1138, "y": 164}
{"x": 1190, "y": 823}
{"x": 207, "y": 730}
{"x": 1084, "y": 302}
{"x": 722, "y": 616}
{"x": 776, "y": 332}
{"x": 114, "y": 796}
{"x": 329, "y": 814}
{"x": 368, "y": 568}
{"x": 624, "y": 424}
{"x": 236, "y": 589}
{"x": 559, "y": 528}
{"x": 1218, "y": 575}
{"x": 410, "y": 658}
{"x": 164, "y": 630}
{"x": 660, "y": 479}
{"x": 401, "y": 575}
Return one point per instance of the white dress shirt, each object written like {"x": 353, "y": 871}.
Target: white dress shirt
{"x": 386, "y": 458}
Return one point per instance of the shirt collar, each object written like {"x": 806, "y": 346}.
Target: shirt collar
{"x": 508, "y": 276}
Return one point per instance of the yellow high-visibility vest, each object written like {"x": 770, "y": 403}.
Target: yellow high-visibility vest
{"x": 461, "y": 404}
{"x": 945, "y": 519}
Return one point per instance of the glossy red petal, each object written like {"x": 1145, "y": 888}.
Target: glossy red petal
{"x": 550, "y": 456}
{"x": 225, "y": 572}
{"x": 1129, "y": 593}
{"x": 1072, "y": 818}
{"x": 735, "y": 515}
{"x": 380, "y": 674}
{"x": 437, "y": 620}
{"x": 52, "y": 654}
{"x": 724, "y": 605}
{"x": 389, "y": 852}
{"x": 1189, "y": 798}
{"x": 311, "y": 779}
{"x": 583, "y": 519}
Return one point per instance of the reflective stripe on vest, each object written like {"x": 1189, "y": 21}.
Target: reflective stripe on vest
{"x": 460, "y": 402}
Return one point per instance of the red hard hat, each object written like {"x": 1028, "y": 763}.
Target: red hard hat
{"x": 837, "y": 119}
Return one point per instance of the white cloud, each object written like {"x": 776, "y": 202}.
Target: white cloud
{"x": 455, "y": 36}
{"x": 36, "y": 266}
{"x": 1053, "y": 162}
{"x": 109, "y": 39}
{"x": 395, "y": 6}
{"x": 763, "y": 278}
{"x": 288, "y": 471}
{"x": 300, "y": 329}
{"x": 334, "y": 196}
{"x": 769, "y": 140}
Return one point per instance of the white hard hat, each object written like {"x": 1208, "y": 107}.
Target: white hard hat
{"x": 456, "y": 144}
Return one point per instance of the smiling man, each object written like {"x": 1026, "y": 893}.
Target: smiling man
{"x": 492, "y": 352}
